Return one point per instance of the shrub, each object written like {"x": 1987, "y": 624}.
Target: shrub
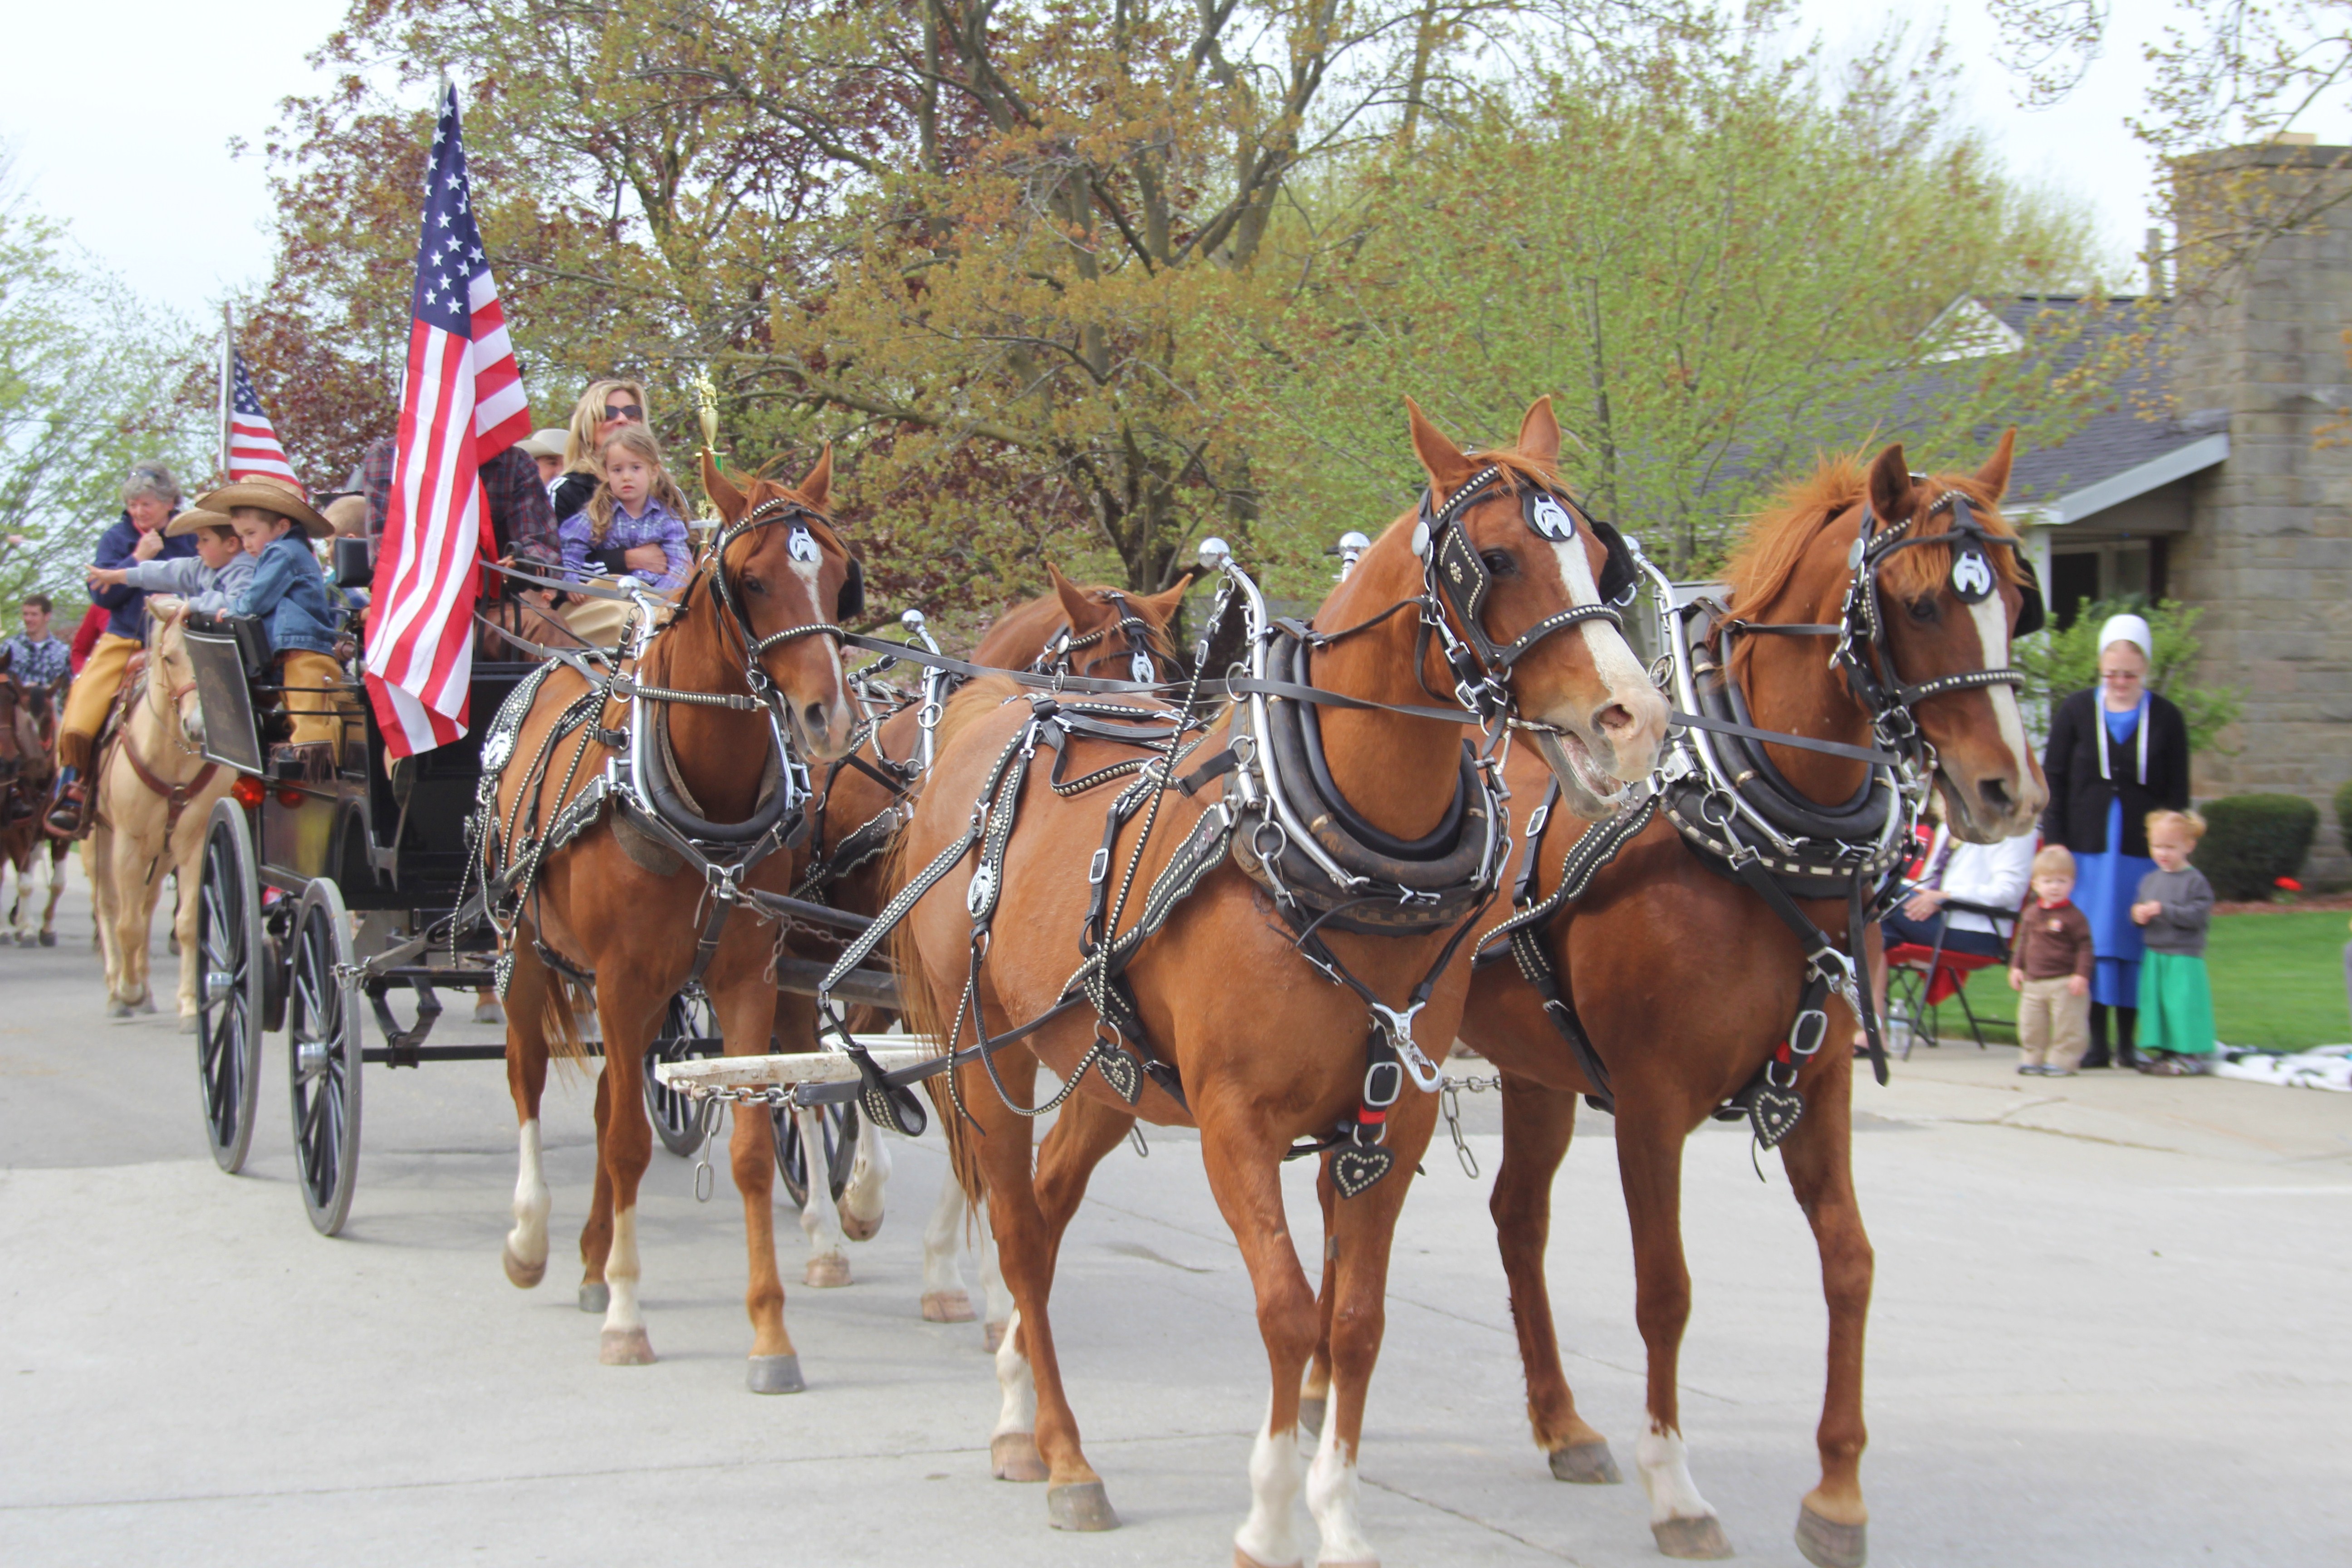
{"x": 2252, "y": 840}
{"x": 2343, "y": 815}
{"x": 2057, "y": 663}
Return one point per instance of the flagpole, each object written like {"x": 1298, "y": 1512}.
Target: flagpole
{"x": 229, "y": 349}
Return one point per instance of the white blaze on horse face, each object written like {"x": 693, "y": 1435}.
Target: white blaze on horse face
{"x": 1613, "y": 658}
{"x": 1992, "y": 636}
{"x": 1664, "y": 1464}
{"x": 1269, "y": 1536}
{"x": 808, "y": 565}
{"x": 1334, "y": 1497}
{"x": 1019, "y": 1411}
{"x": 528, "y": 1239}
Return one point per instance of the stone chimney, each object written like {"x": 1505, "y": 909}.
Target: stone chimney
{"x": 2268, "y": 554}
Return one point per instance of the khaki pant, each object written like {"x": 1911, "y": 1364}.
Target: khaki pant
{"x": 2054, "y": 1027}
{"x": 317, "y": 697}
{"x": 601, "y": 622}
{"x": 91, "y": 695}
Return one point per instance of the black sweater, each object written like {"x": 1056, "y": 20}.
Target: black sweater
{"x": 2077, "y": 817}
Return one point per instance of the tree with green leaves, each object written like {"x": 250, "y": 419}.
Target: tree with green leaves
{"x": 2058, "y": 664}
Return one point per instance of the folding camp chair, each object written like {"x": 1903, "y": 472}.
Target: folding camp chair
{"x": 1919, "y": 980}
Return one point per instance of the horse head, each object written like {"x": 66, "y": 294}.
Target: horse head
{"x": 782, "y": 574}
{"x": 1514, "y": 562}
{"x": 171, "y": 674}
{"x": 1949, "y": 605}
{"x": 1109, "y": 633}
{"x": 15, "y": 719}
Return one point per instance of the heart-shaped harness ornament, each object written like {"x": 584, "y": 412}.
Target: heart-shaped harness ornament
{"x": 1121, "y": 1071}
{"x": 1774, "y": 1113}
{"x": 1355, "y": 1168}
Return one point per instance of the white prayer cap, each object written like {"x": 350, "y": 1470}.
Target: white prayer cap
{"x": 2132, "y": 629}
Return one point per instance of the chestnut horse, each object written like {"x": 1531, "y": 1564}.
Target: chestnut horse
{"x": 1265, "y": 1054}
{"x": 1686, "y": 982}
{"x": 617, "y": 904}
{"x": 28, "y": 761}
{"x": 1087, "y": 632}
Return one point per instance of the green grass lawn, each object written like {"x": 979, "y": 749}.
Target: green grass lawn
{"x": 2278, "y": 983}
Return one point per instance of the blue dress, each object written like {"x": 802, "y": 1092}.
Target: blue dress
{"x": 2107, "y": 883}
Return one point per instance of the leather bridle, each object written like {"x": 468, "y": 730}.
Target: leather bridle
{"x": 770, "y": 513}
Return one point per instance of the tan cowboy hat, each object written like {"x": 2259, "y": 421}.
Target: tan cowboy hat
{"x": 194, "y": 518}
{"x": 544, "y": 443}
{"x": 270, "y": 495}
{"x": 348, "y": 513}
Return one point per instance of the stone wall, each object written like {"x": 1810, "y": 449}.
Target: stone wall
{"x": 2269, "y": 551}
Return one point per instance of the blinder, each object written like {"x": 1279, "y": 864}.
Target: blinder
{"x": 1455, "y": 569}
{"x": 853, "y": 593}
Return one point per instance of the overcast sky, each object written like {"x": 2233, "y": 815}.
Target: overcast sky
{"x": 123, "y": 128}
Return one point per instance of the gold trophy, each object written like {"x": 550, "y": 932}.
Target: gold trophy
{"x": 706, "y": 411}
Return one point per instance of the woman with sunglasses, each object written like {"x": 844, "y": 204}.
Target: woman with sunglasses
{"x": 2115, "y": 754}
{"x": 604, "y": 407}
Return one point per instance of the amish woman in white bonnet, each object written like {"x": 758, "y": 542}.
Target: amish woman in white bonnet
{"x": 2115, "y": 754}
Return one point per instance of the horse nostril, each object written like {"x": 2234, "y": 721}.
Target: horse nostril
{"x": 1995, "y": 794}
{"x": 1616, "y": 716}
{"x": 813, "y": 718}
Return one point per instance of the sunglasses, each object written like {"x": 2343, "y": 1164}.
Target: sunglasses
{"x": 625, "y": 411}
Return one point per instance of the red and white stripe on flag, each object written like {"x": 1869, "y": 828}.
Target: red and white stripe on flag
{"x": 462, "y": 404}
{"x": 253, "y": 449}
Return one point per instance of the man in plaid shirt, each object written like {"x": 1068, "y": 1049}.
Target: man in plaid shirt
{"x": 35, "y": 657}
{"x": 521, "y": 517}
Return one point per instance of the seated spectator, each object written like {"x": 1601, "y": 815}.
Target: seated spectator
{"x": 288, "y": 593}
{"x": 1994, "y": 875}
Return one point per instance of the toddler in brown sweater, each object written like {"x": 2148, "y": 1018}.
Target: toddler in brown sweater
{"x": 2049, "y": 968}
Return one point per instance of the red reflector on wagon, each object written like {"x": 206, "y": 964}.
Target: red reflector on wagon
{"x": 248, "y": 791}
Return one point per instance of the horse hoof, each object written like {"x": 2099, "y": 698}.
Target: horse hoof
{"x": 1829, "y": 1544}
{"x": 188, "y": 1024}
{"x": 859, "y": 1230}
{"x": 625, "y": 1347}
{"x": 826, "y": 1273}
{"x": 1699, "y": 1539}
{"x": 991, "y": 1336}
{"x": 1311, "y": 1415}
{"x": 147, "y": 1004}
{"x": 596, "y": 1297}
{"x": 776, "y": 1374}
{"x": 526, "y": 1275}
{"x": 1586, "y": 1464}
{"x": 946, "y": 1306}
{"x": 48, "y": 939}
{"x": 118, "y": 1010}
{"x": 489, "y": 1012}
{"x": 1243, "y": 1559}
{"x": 1083, "y": 1505}
{"x": 1013, "y": 1456}
{"x": 25, "y": 939}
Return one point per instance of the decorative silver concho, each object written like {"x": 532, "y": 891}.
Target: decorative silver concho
{"x": 1551, "y": 519}
{"x": 802, "y": 546}
{"x": 1972, "y": 577}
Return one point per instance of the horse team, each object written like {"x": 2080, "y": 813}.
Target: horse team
{"x": 1684, "y": 981}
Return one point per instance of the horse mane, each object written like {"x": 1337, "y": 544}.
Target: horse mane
{"x": 1520, "y": 470}
{"x": 1778, "y": 537}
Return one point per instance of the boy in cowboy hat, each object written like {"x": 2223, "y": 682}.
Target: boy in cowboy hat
{"x": 210, "y": 580}
{"x": 288, "y": 593}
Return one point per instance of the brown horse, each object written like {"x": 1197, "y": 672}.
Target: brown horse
{"x": 1686, "y": 982}
{"x": 28, "y": 761}
{"x": 618, "y": 904}
{"x": 1087, "y": 632}
{"x": 1263, "y": 1054}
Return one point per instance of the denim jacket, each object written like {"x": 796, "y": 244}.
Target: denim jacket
{"x": 289, "y": 594}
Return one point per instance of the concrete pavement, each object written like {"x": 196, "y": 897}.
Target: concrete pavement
{"x": 2112, "y": 1324}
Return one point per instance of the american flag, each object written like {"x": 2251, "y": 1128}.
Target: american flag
{"x": 463, "y": 403}
{"x": 254, "y": 450}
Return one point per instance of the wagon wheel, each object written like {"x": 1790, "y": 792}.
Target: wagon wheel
{"x": 322, "y": 1036}
{"x": 230, "y": 986}
{"x": 678, "y": 1118}
{"x": 839, "y": 1120}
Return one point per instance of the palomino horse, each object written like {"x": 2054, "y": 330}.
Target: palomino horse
{"x": 28, "y": 722}
{"x": 616, "y": 902}
{"x": 1686, "y": 982}
{"x": 154, "y": 793}
{"x": 1226, "y": 1006}
{"x": 1087, "y": 632}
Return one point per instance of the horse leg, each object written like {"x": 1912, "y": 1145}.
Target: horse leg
{"x": 828, "y": 1265}
{"x": 1315, "y": 1394}
{"x": 524, "y": 1255}
{"x": 1245, "y": 1176}
{"x": 1536, "y": 1125}
{"x": 1649, "y": 1166}
{"x": 183, "y": 927}
{"x": 1833, "y": 1522}
{"x": 945, "y": 1300}
{"x": 996, "y": 1296}
{"x": 596, "y": 1230}
{"x": 627, "y": 1149}
{"x": 747, "y": 1012}
{"x": 55, "y": 861}
{"x": 97, "y": 861}
{"x": 139, "y": 888}
{"x": 869, "y": 1174}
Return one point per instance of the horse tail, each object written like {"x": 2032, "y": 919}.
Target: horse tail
{"x": 559, "y": 1017}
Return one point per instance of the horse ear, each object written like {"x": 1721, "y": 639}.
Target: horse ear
{"x": 818, "y": 486}
{"x": 1163, "y": 605}
{"x": 723, "y": 495}
{"x": 1075, "y": 604}
{"x": 1890, "y": 486}
{"x": 1445, "y": 464}
{"x": 1539, "y": 433}
{"x": 1994, "y": 475}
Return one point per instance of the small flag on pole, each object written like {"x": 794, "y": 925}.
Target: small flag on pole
{"x": 462, "y": 404}
{"x": 254, "y": 450}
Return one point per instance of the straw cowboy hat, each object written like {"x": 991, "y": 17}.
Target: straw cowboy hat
{"x": 270, "y": 495}
{"x": 543, "y": 444}
{"x": 194, "y": 518}
{"x": 347, "y": 512}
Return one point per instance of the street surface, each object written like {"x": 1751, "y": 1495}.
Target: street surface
{"x": 2112, "y": 1324}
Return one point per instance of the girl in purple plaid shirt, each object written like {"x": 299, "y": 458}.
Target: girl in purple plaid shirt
{"x": 635, "y": 524}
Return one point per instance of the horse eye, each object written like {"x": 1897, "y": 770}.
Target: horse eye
{"x": 752, "y": 585}
{"x": 1501, "y": 562}
{"x": 1923, "y": 609}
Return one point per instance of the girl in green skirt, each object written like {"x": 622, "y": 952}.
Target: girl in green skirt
{"x": 2174, "y": 908}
